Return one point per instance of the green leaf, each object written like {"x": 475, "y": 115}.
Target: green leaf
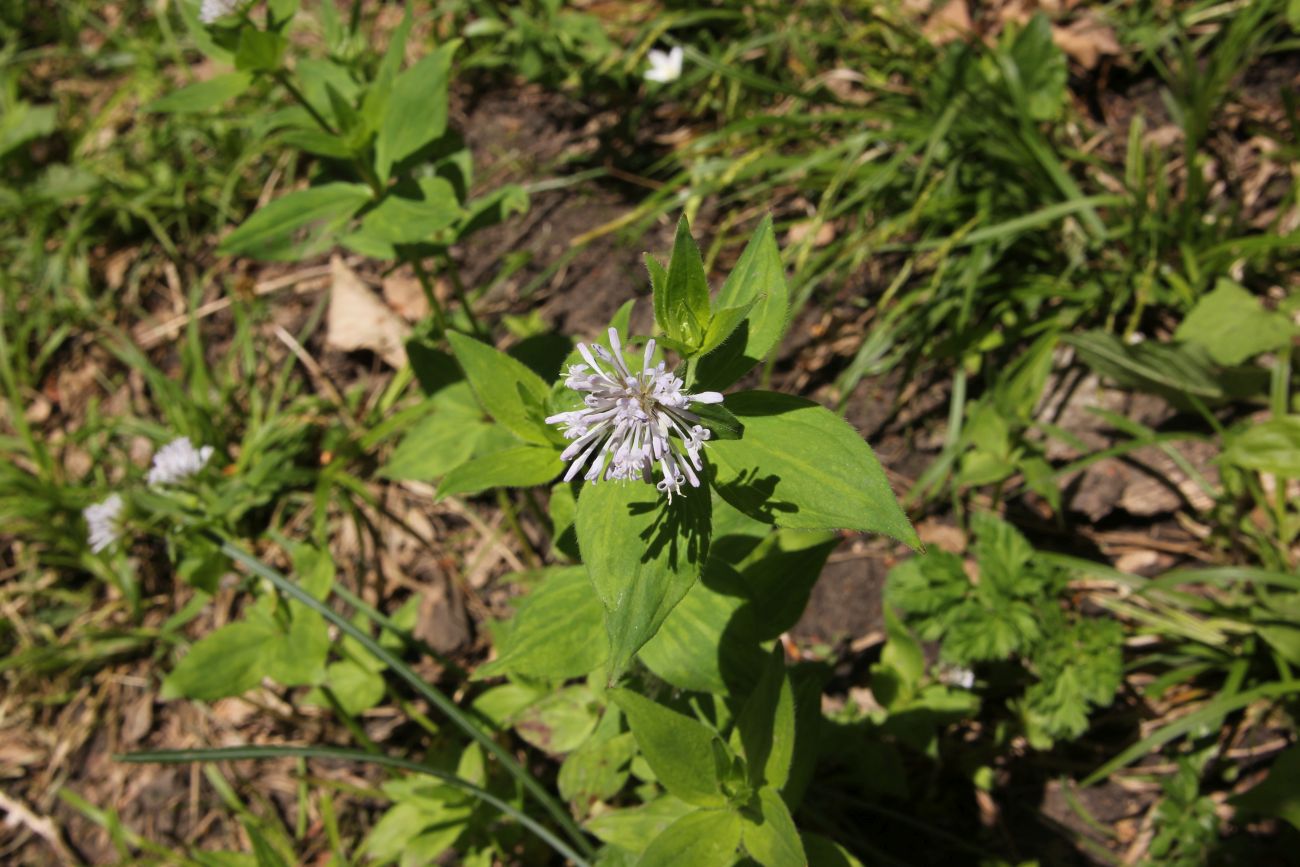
{"x": 1148, "y": 366}
{"x": 507, "y": 389}
{"x": 801, "y": 466}
{"x": 1232, "y": 326}
{"x": 771, "y": 837}
{"x": 719, "y": 420}
{"x": 766, "y": 725}
{"x": 708, "y": 642}
{"x": 597, "y": 770}
{"x": 439, "y": 443}
{"x": 642, "y": 554}
{"x": 560, "y": 721}
{"x": 758, "y": 280}
{"x": 557, "y": 631}
{"x": 259, "y": 50}
{"x": 705, "y": 838}
{"x": 1042, "y": 71}
{"x": 407, "y": 219}
{"x": 519, "y": 467}
{"x": 269, "y": 232}
{"x": 1279, "y": 794}
{"x": 416, "y": 113}
{"x": 723, "y": 323}
{"x": 634, "y": 828}
{"x": 203, "y": 95}
{"x": 824, "y": 852}
{"x": 1272, "y": 446}
{"x": 681, "y": 751}
{"x": 226, "y": 662}
{"x": 685, "y": 302}
{"x": 297, "y": 656}
{"x": 779, "y": 575}
{"x": 356, "y": 687}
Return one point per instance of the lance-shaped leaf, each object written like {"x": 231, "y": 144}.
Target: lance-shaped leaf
{"x": 681, "y": 296}
{"x": 799, "y": 465}
{"x": 509, "y": 392}
{"x": 271, "y": 232}
{"x": 643, "y": 554}
{"x": 680, "y": 750}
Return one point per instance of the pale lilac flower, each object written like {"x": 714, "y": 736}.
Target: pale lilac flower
{"x": 177, "y": 461}
{"x": 104, "y": 521}
{"x": 665, "y": 66}
{"x": 211, "y": 10}
{"x": 631, "y": 421}
{"x": 958, "y": 676}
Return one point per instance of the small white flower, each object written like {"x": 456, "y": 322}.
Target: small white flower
{"x": 630, "y": 421}
{"x": 211, "y": 10}
{"x": 958, "y": 676}
{"x": 665, "y": 66}
{"x": 177, "y": 461}
{"x": 105, "y": 522}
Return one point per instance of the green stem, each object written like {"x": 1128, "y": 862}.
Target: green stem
{"x": 236, "y": 754}
{"x": 512, "y": 519}
{"x": 439, "y": 316}
{"x": 427, "y": 692}
{"x": 453, "y": 271}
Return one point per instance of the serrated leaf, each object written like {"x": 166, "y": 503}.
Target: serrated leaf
{"x": 642, "y": 555}
{"x": 679, "y": 750}
{"x": 269, "y": 232}
{"x": 801, "y": 466}
{"x": 520, "y": 467}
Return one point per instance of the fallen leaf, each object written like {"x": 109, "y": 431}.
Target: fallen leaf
{"x": 403, "y": 293}
{"x": 949, "y": 22}
{"x": 1086, "y": 39}
{"x": 357, "y": 319}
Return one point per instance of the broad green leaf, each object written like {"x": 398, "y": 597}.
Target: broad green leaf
{"x": 259, "y": 50}
{"x": 1271, "y": 446}
{"x": 412, "y": 219}
{"x": 771, "y": 837}
{"x": 22, "y": 122}
{"x": 435, "y": 446}
{"x": 642, "y": 554}
{"x": 203, "y": 95}
{"x": 226, "y": 662}
{"x": 766, "y": 725}
{"x": 719, "y": 420}
{"x": 1232, "y": 326}
{"x": 681, "y": 751}
{"x": 634, "y": 828}
{"x": 519, "y": 467}
{"x": 319, "y": 142}
{"x": 597, "y": 770}
{"x": 297, "y": 656}
{"x": 269, "y": 232}
{"x": 509, "y": 392}
{"x": 557, "y": 632}
{"x": 708, "y": 642}
{"x": 705, "y": 838}
{"x": 559, "y": 722}
{"x": 356, "y": 687}
{"x": 801, "y": 466}
{"x": 416, "y": 113}
{"x": 685, "y": 303}
{"x": 758, "y": 280}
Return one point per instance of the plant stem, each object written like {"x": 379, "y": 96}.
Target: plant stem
{"x": 439, "y": 316}
{"x": 512, "y": 519}
{"x": 427, "y": 692}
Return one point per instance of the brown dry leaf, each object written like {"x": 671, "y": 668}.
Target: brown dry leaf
{"x": 403, "y": 293}
{"x": 357, "y": 319}
{"x": 949, "y": 22}
{"x": 800, "y": 231}
{"x": 942, "y": 536}
{"x": 1086, "y": 39}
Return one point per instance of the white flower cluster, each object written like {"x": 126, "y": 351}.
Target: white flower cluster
{"x": 211, "y": 10}
{"x": 630, "y": 421}
{"x": 665, "y": 66}
{"x": 174, "y": 462}
{"x": 177, "y": 461}
{"x": 105, "y": 522}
